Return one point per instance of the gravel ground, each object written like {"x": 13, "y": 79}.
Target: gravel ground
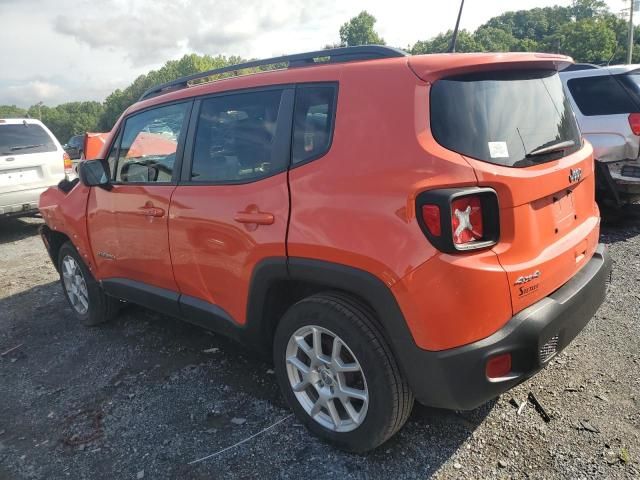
{"x": 146, "y": 394}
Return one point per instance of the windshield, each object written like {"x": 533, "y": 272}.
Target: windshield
{"x": 516, "y": 119}
{"x": 20, "y": 139}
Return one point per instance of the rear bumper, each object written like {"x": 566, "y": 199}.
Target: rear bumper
{"x": 626, "y": 175}
{"x": 20, "y": 202}
{"x": 456, "y": 379}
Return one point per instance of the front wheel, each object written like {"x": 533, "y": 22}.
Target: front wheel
{"x": 88, "y": 302}
{"x": 338, "y": 374}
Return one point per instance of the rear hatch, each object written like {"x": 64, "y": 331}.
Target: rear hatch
{"x": 29, "y": 157}
{"x": 516, "y": 128}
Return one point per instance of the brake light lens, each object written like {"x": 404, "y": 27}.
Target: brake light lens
{"x": 634, "y": 123}
{"x": 68, "y": 164}
{"x": 459, "y": 220}
{"x": 431, "y": 217}
{"x": 499, "y": 366}
{"x": 466, "y": 220}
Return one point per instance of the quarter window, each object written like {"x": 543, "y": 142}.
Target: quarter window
{"x": 235, "y": 138}
{"x": 148, "y": 146}
{"x": 313, "y": 122}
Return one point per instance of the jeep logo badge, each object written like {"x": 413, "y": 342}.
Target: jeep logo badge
{"x": 575, "y": 174}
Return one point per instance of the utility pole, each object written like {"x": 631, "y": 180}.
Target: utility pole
{"x": 454, "y": 38}
{"x": 630, "y": 47}
{"x": 39, "y": 111}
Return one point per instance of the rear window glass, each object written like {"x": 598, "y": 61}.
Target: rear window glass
{"x": 516, "y": 119}
{"x": 20, "y": 139}
{"x": 602, "y": 95}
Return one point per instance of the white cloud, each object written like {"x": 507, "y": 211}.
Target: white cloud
{"x": 35, "y": 91}
{"x": 64, "y": 50}
{"x": 152, "y": 31}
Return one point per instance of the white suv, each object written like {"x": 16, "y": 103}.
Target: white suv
{"x": 606, "y": 101}
{"x": 31, "y": 160}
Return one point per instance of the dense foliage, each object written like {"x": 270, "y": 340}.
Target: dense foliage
{"x": 587, "y": 30}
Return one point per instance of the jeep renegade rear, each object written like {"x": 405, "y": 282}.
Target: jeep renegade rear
{"x": 387, "y": 227}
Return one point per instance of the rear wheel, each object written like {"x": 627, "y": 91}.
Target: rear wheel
{"x": 88, "y": 302}
{"x": 338, "y": 374}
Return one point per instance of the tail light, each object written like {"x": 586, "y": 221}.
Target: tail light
{"x": 456, "y": 220}
{"x": 466, "y": 220}
{"x": 634, "y": 123}
{"x": 68, "y": 164}
{"x": 431, "y": 217}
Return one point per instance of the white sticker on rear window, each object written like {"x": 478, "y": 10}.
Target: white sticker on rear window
{"x": 498, "y": 150}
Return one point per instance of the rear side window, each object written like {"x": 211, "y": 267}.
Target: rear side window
{"x": 602, "y": 95}
{"x": 235, "y": 138}
{"x": 148, "y": 145}
{"x": 20, "y": 139}
{"x": 313, "y": 121}
{"x": 632, "y": 82}
{"x": 515, "y": 119}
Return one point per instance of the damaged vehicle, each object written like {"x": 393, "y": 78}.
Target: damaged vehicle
{"x": 606, "y": 101}
{"x": 386, "y": 227}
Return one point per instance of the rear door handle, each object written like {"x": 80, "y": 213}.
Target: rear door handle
{"x": 150, "y": 211}
{"x": 254, "y": 216}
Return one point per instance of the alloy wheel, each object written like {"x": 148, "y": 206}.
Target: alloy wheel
{"x": 75, "y": 285}
{"x": 327, "y": 378}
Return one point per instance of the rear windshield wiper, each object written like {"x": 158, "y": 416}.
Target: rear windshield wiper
{"x": 551, "y": 148}
{"x": 25, "y": 147}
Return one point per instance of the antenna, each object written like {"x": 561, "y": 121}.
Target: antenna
{"x": 454, "y": 38}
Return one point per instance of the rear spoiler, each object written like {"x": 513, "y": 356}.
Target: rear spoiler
{"x": 432, "y": 67}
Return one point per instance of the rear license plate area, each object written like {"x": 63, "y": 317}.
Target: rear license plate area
{"x": 17, "y": 177}
{"x": 564, "y": 209}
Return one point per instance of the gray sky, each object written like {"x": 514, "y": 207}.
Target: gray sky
{"x": 64, "y": 50}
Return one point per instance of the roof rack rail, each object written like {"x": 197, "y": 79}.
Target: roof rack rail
{"x": 334, "y": 55}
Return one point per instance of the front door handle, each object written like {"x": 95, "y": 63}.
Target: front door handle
{"x": 150, "y": 211}
{"x": 253, "y": 215}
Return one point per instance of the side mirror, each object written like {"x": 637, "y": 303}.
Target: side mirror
{"x": 94, "y": 174}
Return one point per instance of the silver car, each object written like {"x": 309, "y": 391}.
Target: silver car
{"x": 606, "y": 101}
{"x": 31, "y": 160}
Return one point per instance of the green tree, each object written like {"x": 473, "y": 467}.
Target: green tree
{"x": 589, "y": 40}
{"x": 588, "y": 9}
{"x": 120, "y": 100}
{"x": 441, "y": 43}
{"x": 534, "y": 24}
{"x": 491, "y": 39}
{"x": 68, "y": 119}
{"x": 11, "y": 111}
{"x": 359, "y": 31}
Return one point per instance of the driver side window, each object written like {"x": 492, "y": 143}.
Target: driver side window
{"x": 148, "y": 145}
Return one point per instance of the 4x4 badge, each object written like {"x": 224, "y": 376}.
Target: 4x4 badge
{"x": 528, "y": 278}
{"x": 575, "y": 174}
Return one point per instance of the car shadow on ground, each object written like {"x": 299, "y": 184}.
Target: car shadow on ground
{"x": 13, "y": 229}
{"x": 173, "y": 393}
{"x": 620, "y": 225}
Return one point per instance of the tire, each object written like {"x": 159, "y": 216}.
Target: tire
{"x": 85, "y": 296}
{"x": 373, "y": 417}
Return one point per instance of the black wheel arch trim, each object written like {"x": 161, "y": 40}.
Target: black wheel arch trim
{"x": 332, "y": 276}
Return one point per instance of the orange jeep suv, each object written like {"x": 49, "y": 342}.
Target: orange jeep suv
{"x": 387, "y": 227}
